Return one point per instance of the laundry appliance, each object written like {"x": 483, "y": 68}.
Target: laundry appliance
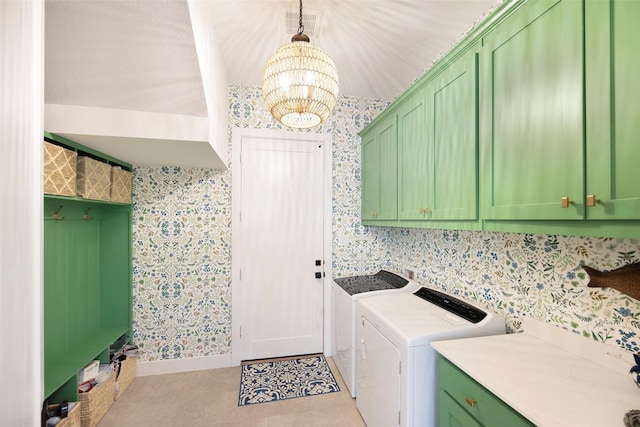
{"x": 346, "y": 291}
{"x": 396, "y": 367}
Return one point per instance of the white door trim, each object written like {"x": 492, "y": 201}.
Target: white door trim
{"x": 238, "y": 134}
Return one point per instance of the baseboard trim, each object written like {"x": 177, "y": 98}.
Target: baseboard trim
{"x": 172, "y": 366}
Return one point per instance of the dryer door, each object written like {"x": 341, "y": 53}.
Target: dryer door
{"x": 378, "y": 377}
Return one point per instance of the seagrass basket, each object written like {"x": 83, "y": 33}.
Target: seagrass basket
{"x": 120, "y": 185}
{"x": 73, "y": 419}
{"x": 59, "y": 170}
{"x": 96, "y": 402}
{"x": 94, "y": 179}
{"x": 126, "y": 376}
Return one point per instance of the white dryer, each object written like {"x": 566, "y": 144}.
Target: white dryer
{"x": 346, "y": 291}
{"x": 396, "y": 367}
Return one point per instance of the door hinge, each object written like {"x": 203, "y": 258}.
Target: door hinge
{"x": 240, "y": 331}
{"x": 240, "y": 274}
{"x": 398, "y": 417}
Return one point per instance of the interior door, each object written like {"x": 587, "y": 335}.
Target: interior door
{"x": 281, "y": 217}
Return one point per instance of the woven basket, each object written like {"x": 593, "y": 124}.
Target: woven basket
{"x": 96, "y": 402}
{"x": 73, "y": 419}
{"x": 59, "y": 170}
{"x": 94, "y": 179}
{"x": 126, "y": 376}
{"x": 120, "y": 185}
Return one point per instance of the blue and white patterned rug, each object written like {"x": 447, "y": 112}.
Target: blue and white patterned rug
{"x": 268, "y": 381}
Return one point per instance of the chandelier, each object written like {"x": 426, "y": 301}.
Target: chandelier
{"x": 300, "y": 82}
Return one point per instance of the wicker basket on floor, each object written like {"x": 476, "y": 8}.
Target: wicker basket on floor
{"x": 59, "y": 170}
{"x": 94, "y": 179}
{"x": 120, "y": 185}
{"x": 96, "y": 402}
{"x": 126, "y": 376}
{"x": 73, "y": 419}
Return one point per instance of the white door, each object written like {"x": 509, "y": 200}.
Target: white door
{"x": 281, "y": 227}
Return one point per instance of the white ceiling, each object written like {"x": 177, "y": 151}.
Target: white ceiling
{"x": 140, "y": 54}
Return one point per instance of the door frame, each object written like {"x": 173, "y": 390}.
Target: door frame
{"x": 238, "y": 135}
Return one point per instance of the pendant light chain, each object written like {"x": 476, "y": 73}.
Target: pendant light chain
{"x": 300, "y": 26}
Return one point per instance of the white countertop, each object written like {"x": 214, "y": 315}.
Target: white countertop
{"x": 550, "y": 376}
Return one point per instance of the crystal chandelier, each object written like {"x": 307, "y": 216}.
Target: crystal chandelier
{"x": 300, "y": 82}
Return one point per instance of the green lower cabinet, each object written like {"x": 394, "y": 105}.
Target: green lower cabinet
{"x": 464, "y": 402}
{"x": 454, "y": 415}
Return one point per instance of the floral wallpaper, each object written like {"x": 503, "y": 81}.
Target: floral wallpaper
{"x": 182, "y": 252}
{"x": 520, "y": 275}
{"x": 181, "y": 262}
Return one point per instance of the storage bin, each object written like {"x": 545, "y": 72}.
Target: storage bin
{"x": 73, "y": 418}
{"x": 120, "y": 185}
{"x": 96, "y": 402}
{"x": 94, "y": 179}
{"x": 126, "y": 375}
{"x": 59, "y": 170}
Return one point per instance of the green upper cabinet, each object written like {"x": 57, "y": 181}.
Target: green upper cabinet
{"x": 437, "y": 146}
{"x": 453, "y": 131}
{"x": 531, "y": 121}
{"x": 612, "y": 109}
{"x": 415, "y": 159}
{"x": 380, "y": 170}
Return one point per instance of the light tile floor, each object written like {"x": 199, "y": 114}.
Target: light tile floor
{"x": 210, "y": 398}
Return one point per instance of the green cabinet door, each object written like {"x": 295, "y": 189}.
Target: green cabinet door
{"x": 438, "y": 146}
{"x": 532, "y": 140}
{"x": 415, "y": 159}
{"x": 466, "y": 395}
{"x": 453, "y": 132}
{"x": 453, "y": 415}
{"x": 612, "y": 107}
{"x": 379, "y": 171}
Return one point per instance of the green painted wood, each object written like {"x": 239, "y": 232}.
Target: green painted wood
{"x": 453, "y": 415}
{"x": 415, "y": 159}
{"x": 532, "y": 113}
{"x": 87, "y": 286}
{"x": 379, "y": 171}
{"x": 370, "y": 175}
{"x": 488, "y": 410}
{"x": 453, "y": 132}
{"x": 612, "y": 105}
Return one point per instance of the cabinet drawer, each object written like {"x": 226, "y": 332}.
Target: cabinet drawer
{"x": 476, "y": 400}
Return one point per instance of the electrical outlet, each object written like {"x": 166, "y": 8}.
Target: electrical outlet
{"x": 409, "y": 273}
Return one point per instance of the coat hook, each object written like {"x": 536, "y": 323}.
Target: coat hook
{"x": 86, "y": 215}
{"x": 56, "y": 214}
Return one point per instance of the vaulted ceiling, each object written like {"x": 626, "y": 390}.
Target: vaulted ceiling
{"x": 140, "y": 55}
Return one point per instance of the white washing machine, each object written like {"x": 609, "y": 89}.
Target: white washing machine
{"x": 396, "y": 367}
{"x": 346, "y": 291}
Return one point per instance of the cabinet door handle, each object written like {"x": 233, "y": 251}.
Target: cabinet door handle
{"x": 591, "y": 200}
{"x": 471, "y": 402}
{"x": 565, "y": 202}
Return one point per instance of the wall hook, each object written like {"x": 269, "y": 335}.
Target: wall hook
{"x": 86, "y": 215}
{"x": 56, "y": 214}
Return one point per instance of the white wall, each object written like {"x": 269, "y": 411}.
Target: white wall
{"x": 21, "y": 127}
